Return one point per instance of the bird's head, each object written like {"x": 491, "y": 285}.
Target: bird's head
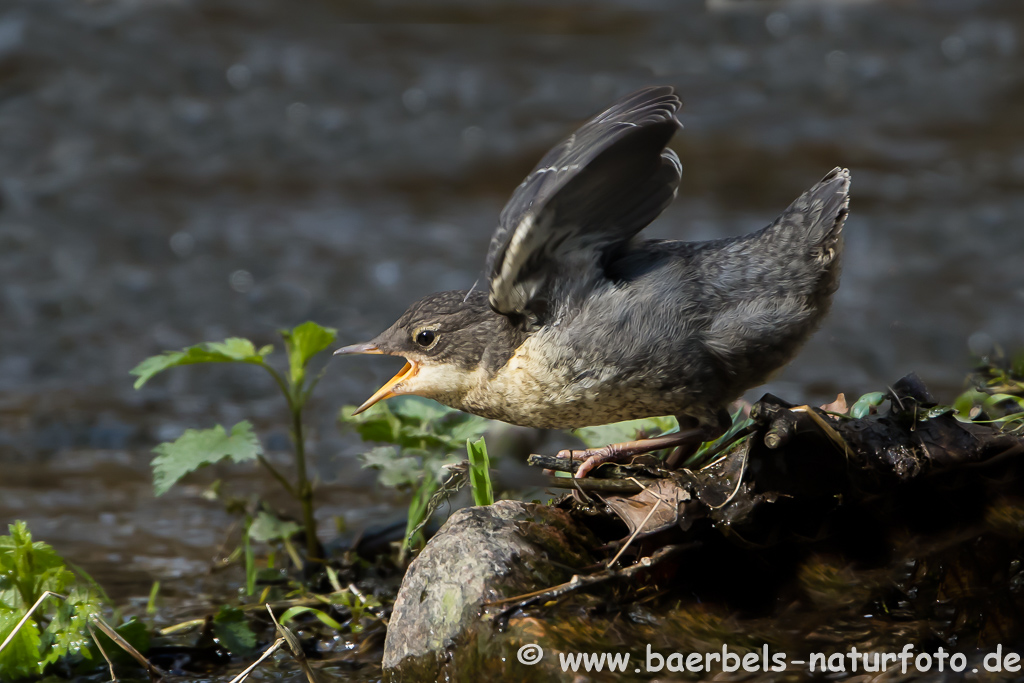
{"x": 447, "y": 339}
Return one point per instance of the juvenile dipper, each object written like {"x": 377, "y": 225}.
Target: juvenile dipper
{"x": 584, "y": 324}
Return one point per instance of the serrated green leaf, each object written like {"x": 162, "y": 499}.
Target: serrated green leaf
{"x": 629, "y": 430}
{"x": 862, "y": 407}
{"x": 480, "y": 472}
{"x": 266, "y": 527}
{"x": 21, "y": 657}
{"x": 416, "y": 409}
{"x": 304, "y": 342}
{"x": 472, "y": 427}
{"x": 27, "y": 569}
{"x": 415, "y": 422}
{"x": 31, "y": 567}
{"x": 395, "y": 469}
{"x": 376, "y": 423}
{"x": 198, "y": 448}
{"x": 231, "y": 627}
{"x": 233, "y": 350}
{"x": 68, "y": 632}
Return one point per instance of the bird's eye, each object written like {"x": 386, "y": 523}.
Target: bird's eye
{"x": 425, "y": 337}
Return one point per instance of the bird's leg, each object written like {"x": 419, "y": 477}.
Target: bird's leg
{"x": 617, "y": 452}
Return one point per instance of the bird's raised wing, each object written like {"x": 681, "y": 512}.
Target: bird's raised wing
{"x": 588, "y": 196}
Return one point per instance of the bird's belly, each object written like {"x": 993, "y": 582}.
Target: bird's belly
{"x": 549, "y": 391}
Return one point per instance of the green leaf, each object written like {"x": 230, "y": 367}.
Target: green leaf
{"x": 419, "y": 509}
{"x": 630, "y": 430}
{"x": 68, "y": 632}
{"x": 700, "y": 458}
{"x": 376, "y": 423}
{"x": 304, "y": 342}
{"x": 266, "y": 527}
{"x": 232, "y": 629}
{"x": 395, "y": 469}
{"x": 293, "y": 612}
{"x": 233, "y": 350}
{"x": 967, "y": 400}
{"x": 480, "y": 472}
{"x": 30, "y": 567}
{"x": 991, "y": 403}
{"x": 21, "y": 657}
{"x": 27, "y": 569}
{"x": 864, "y": 404}
{"x": 415, "y": 422}
{"x": 133, "y": 631}
{"x": 198, "y": 448}
{"x": 250, "y": 564}
{"x": 154, "y": 593}
{"x": 416, "y": 409}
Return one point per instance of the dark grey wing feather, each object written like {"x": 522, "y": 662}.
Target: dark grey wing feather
{"x": 588, "y": 196}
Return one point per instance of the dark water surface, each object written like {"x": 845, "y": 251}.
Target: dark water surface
{"x": 175, "y": 172}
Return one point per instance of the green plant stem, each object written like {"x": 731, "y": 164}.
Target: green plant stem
{"x": 281, "y": 384}
{"x": 303, "y": 490}
{"x": 280, "y": 477}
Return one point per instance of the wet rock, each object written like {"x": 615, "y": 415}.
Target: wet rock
{"x": 480, "y": 555}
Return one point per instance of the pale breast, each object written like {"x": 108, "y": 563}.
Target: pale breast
{"x": 543, "y": 385}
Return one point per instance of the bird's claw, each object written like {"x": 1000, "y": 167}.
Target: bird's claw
{"x": 592, "y": 459}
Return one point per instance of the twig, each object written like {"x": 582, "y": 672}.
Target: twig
{"x": 154, "y": 672}
{"x": 825, "y": 427}
{"x": 294, "y": 646}
{"x": 550, "y": 462}
{"x": 636, "y": 531}
{"x": 587, "y": 484}
{"x": 577, "y": 582}
{"x": 39, "y": 601}
{"x": 99, "y": 646}
{"x": 278, "y": 644}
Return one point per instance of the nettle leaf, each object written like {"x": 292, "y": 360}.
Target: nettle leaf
{"x": 395, "y": 469}
{"x": 304, "y": 342}
{"x": 416, "y": 409}
{"x": 267, "y": 527}
{"x": 416, "y": 422}
{"x": 376, "y": 423}
{"x": 198, "y": 448}
{"x": 629, "y": 430}
{"x": 30, "y": 567}
{"x": 233, "y": 631}
{"x": 233, "y": 350}
{"x": 20, "y": 659}
{"x": 68, "y": 633}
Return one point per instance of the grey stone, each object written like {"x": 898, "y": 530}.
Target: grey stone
{"x": 481, "y": 554}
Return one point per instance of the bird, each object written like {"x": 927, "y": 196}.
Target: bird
{"x": 584, "y": 323}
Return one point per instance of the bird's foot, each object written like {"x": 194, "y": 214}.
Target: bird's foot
{"x": 620, "y": 452}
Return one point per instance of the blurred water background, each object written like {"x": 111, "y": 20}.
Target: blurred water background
{"x": 176, "y": 171}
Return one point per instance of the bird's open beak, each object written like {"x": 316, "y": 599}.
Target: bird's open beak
{"x": 385, "y": 391}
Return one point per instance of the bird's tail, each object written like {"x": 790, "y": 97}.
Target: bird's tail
{"x": 816, "y": 217}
